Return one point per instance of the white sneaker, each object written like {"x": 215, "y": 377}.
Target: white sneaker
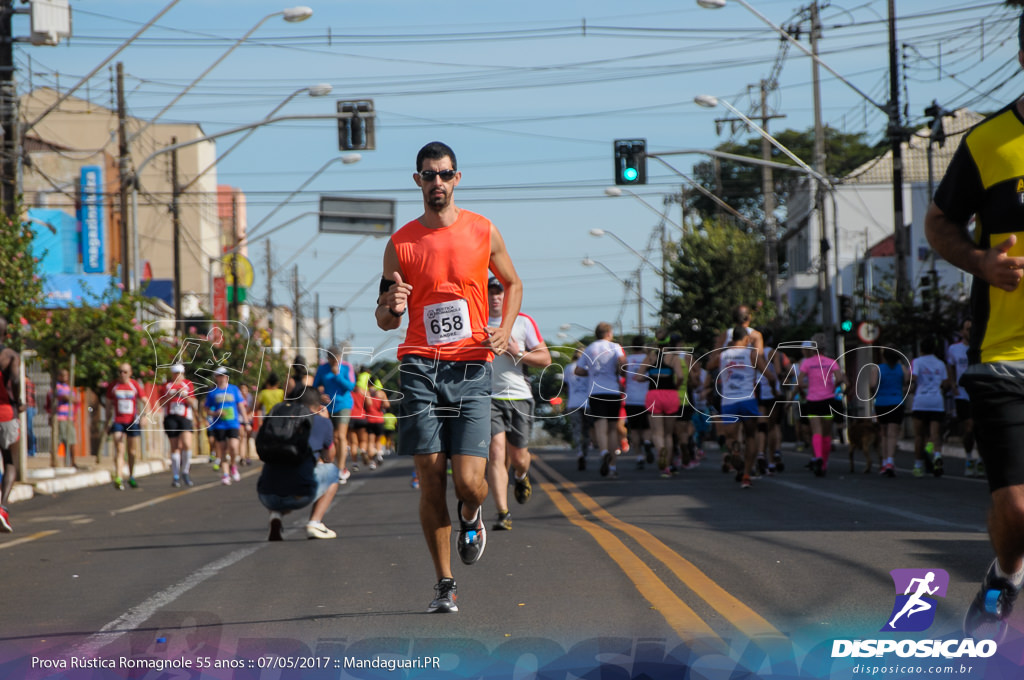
{"x": 235, "y": 474}
{"x": 343, "y": 476}
{"x": 225, "y": 480}
{"x": 319, "y": 530}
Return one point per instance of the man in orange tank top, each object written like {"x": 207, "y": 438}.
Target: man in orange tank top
{"x": 436, "y": 268}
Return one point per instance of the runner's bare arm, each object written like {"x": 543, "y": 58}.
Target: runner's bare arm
{"x": 502, "y": 267}
{"x": 392, "y": 303}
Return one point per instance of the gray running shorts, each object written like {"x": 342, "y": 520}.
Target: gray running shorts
{"x": 445, "y": 406}
{"x": 514, "y": 417}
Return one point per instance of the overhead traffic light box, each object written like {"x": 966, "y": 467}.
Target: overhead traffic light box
{"x": 630, "y": 161}
{"x": 356, "y": 125}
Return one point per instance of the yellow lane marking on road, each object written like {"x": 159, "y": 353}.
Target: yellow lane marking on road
{"x": 176, "y": 494}
{"x": 745, "y": 619}
{"x": 26, "y": 539}
{"x": 687, "y": 624}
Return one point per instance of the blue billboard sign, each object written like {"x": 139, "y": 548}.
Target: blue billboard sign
{"x": 91, "y": 217}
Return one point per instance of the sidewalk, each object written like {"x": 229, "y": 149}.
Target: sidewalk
{"x": 41, "y": 478}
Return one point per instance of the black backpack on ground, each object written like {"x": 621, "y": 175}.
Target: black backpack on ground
{"x": 283, "y": 437}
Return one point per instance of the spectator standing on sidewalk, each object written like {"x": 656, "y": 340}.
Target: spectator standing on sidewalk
{"x": 60, "y": 404}
{"x": 10, "y": 407}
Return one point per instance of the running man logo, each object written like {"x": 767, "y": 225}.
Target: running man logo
{"x": 916, "y": 590}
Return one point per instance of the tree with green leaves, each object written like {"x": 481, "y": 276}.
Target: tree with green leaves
{"x": 21, "y": 287}
{"x": 714, "y": 270}
{"x": 740, "y": 183}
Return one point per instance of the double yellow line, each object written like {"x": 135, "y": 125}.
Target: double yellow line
{"x": 690, "y": 627}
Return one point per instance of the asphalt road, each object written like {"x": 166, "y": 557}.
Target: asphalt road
{"x": 624, "y": 577}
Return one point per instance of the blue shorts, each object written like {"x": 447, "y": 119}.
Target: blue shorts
{"x": 745, "y": 408}
{"x": 445, "y": 406}
{"x": 131, "y": 429}
{"x": 325, "y": 473}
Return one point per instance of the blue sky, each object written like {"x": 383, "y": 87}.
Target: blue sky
{"x": 529, "y": 94}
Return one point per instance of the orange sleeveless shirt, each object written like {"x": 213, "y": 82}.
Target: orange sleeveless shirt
{"x": 448, "y": 271}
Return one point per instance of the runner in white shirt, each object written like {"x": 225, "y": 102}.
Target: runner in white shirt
{"x": 511, "y": 405}
{"x": 603, "y": 361}
{"x": 578, "y": 387}
{"x": 956, "y": 359}
{"x": 638, "y": 415}
{"x": 929, "y": 379}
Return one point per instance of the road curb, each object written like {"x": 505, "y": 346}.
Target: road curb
{"x": 60, "y": 483}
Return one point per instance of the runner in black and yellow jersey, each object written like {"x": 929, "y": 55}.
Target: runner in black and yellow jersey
{"x": 986, "y": 180}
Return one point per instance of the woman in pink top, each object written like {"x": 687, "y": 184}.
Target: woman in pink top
{"x": 819, "y": 377}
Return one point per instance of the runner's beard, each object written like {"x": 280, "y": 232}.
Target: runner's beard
{"x": 439, "y": 202}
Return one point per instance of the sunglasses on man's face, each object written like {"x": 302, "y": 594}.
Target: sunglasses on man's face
{"x": 429, "y": 175}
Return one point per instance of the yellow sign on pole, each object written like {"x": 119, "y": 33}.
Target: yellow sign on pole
{"x": 234, "y": 261}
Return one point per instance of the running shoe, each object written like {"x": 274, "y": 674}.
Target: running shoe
{"x": 777, "y": 460}
{"x": 918, "y": 471}
{"x": 472, "y": 537}
{"x": 132, "y": 483}
{"x": 987, "y": 614}
{"x": 762, "y": 464}
{"x": 444, "y": 597}
{"x": 745, "y": 483}
{"x": 319, "y": 530}
{"x": 225, "y": 480}
{"x": 275, "y": 527}
{"x": 606, "y": 463}
{"x": 649, "y": 452}
{"x": 373, "y": 465}
{"x": 118, "y": 484}
{"x": 503, "y": 523}
{"x": 581, "y": 463}
{"x": 187, "y": 479}
{"x": 818, "y": 467}
{"x": 937, "y": 465}
{"x": 5, "y": 522}
{"x": 969, "y": 467}
{"x": 343, "y": 476}
{"x": 979, "y": 468}
{"x": 216, "y": 466}
{"x": 666, "y": 473}
{"x": 888, "y": 470}
{"x": 379, "y": 459}
{"x": 523, "y": 489}
{"x": 235, "y": 476}
{"x": 176, "y": 482}
{"x": 415, "y": 482}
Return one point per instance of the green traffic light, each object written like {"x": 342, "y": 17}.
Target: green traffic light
{"x": 847, "y": 326}
{"x": 629, "y": 174}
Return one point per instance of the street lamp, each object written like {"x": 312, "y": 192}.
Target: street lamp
{"x": 318, "y": 90}
{"x": 347, "y": 159}
{"x": 616, "y": 191}
{"x": 605, "y": 232}
{"x": 640, "y": 299}
{"x": 290, "y": 14}
{"x": 891, "y": 109}
{"x": 710, "y": 101}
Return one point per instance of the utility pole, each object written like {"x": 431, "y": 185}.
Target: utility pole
{"x": 270, "y": 294}
{"x": 124, "y": 177}
{"x": 9, "y": 167}
{"x": 824, "y": 295}
{"x": 896, "y": 140}
{"x": 234, "y": 257}
{"x": 295, "y": 300}
{"x": 176, "y": 222}
{"x": 316, "y": 317}
{"x": 768, "y": 189}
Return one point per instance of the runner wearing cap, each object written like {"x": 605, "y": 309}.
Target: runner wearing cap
{"x": 511, "y": 405}
{"x": 178, "y": 398}
{"x": 225, "y": 404}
